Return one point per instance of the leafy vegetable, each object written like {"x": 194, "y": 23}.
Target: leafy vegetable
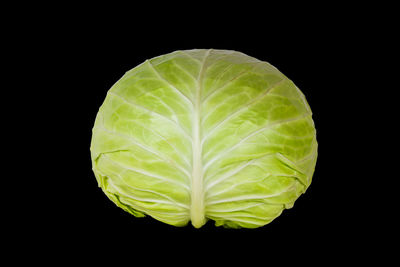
{"x": 204, "y": 134}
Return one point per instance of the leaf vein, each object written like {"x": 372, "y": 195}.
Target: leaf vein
{"x": 246, "y": 106}
{"x": 171, "y": 200}
{"x": 133, "y": 141}
{"x": 146, "y": 173}
{"x": 227, "y": 83}
{"x": 152, "y": 112}
{"x": 208, "y": 164}
{"x": 170, "y": 84}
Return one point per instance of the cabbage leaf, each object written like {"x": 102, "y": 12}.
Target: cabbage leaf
{"x": 204, "y": 134}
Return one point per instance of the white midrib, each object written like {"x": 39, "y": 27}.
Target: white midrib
{"x": 197, "y": 209}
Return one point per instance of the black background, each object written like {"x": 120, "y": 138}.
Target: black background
{"x": 88, "y": 211}
{"x": 80, "y": 59}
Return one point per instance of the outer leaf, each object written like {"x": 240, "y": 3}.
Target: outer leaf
{"x": 204, "y": 134}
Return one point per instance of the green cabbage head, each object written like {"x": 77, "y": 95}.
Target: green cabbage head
{"x": 201, "y": 135}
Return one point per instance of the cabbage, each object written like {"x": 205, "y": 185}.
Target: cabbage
{"x": 204, "y": 134}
